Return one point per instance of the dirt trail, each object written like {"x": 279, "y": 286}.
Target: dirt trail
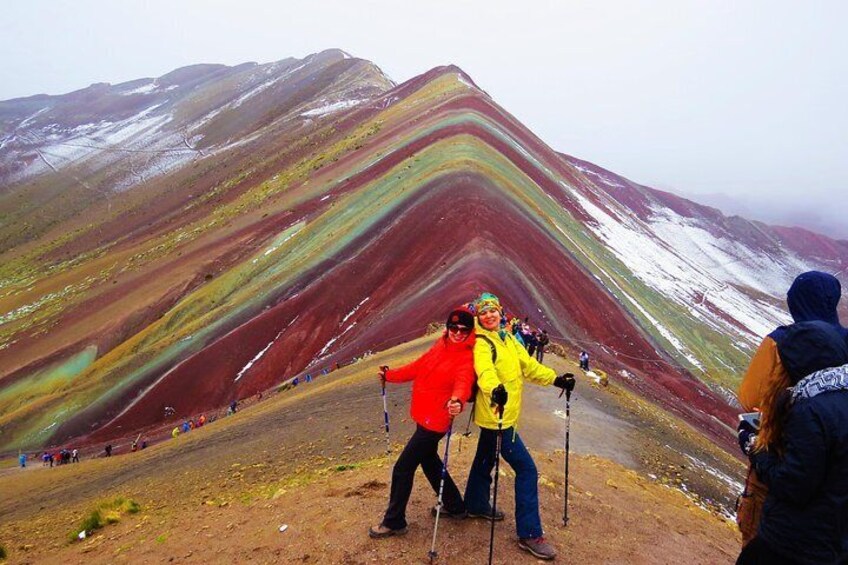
{"x": 313, "y": 459}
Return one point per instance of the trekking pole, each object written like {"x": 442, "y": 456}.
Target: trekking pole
{"x": 569, "y": 386}
{"x": 500, "y": 401}
{"x": 385, "y": 368}
{"x": 433, "y": 553}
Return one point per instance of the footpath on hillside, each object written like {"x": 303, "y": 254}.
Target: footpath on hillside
{"x": 313, "y": 459}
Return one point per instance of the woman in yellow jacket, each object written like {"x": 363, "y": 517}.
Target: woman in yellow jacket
{"x": 500, "y": 360}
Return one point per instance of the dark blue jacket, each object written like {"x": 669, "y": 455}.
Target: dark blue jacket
{"x": 805, "y": 515}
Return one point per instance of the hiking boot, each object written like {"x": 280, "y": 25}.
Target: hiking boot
{"x": 538, "y": 547}
{"x": 445, "y": 513}
{"x": 382, "y": 531}
{"x": 499, "y": 516}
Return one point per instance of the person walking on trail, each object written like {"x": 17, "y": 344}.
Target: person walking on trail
{"x": 108, "y": 450}
{"x": 441, "y": 384}
{"x": 584, "y": 360}
{"x": 812, "y": 296}
{"x": 801, "y": 452}
{"x": 544, "y": 340}
{"x": 500, "y": 360}
{"x": 75, "y": 456}
{"x": 175, "y": 432}
{"x": 22, "y": 460}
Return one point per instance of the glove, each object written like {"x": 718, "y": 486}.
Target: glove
{"x": 565, "y": 382}
{"x": 747, "y": 436}
{"x": 499, "y": 396}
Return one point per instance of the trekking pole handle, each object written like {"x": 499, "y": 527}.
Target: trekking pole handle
{"x": 570, "y": 381}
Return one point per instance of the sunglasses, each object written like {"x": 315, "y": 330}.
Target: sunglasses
{"x": 460, "y": 329}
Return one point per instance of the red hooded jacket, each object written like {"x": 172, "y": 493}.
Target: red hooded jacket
{"x": 445, "y": 371}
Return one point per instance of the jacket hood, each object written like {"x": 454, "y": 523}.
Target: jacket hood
{"x": 807, "y": 347}
{"x": 814, "y": 296}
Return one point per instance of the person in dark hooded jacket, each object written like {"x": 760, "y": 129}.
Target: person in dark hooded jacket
{"x": 812, "y": 296}
{"x": 804, "y": 458}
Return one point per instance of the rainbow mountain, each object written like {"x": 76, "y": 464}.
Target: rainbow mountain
{"x": 203, "y": 236}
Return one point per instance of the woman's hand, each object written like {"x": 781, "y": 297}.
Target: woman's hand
{"x": 454, "y": 407}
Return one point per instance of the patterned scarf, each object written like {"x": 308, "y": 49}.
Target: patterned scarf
{"x": 826, "y": 380}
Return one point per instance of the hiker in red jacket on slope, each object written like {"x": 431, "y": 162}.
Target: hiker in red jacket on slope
{"x": 441, "y": 383}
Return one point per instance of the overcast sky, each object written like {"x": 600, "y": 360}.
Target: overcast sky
{"x": 737, "y": 104}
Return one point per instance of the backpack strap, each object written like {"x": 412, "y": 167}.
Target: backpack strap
{"x": 491, "y": 346}
{"x": 474, "y": 387}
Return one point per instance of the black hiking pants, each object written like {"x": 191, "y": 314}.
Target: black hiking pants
{"x": 422, "y": 449}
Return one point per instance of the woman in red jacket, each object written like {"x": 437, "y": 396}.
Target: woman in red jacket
{"x": 441, "y": 382}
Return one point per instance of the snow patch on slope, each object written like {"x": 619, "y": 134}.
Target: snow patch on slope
{"x": 332, "y": 107}
{"x": 694, "y": 267}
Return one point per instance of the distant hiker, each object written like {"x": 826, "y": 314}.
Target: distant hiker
{"x": 532, "y": 343}
{"x": 584, "y": 360}
{"x": 233, "y": 406}
{"x": 812, "y": 296}
{"x": 186, "y": 427}
{"x": 801, "y": 452}
{"x": 441, "y": 384}
{"x": 144, "y": 444}
{"x": 22, "y": 460}
{"x": 201, "y": 420}
{"x": 500, "y": 360}
{"x": 134, "y": 447}
{"x": 45, "y": 459}
{"x": 175, "y": 432}
{"x": 191, "y": 424}
{"x": 108, "y": 450}
{"x": 543, "y": 342}
{"x": 75, "y": 456}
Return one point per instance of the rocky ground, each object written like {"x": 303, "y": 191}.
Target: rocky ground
{"x": 643, "y": 486}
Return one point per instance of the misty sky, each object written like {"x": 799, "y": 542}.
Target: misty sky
{"x": 736, "y": 104}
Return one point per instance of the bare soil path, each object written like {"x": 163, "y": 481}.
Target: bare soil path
{"x": 313, "y": 458}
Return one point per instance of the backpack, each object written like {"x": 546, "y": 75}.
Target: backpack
{"x": 474, "y": 387}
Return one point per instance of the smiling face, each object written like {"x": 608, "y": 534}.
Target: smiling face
{"x": 458, "y": 333}
{"x": 490, "y": 318}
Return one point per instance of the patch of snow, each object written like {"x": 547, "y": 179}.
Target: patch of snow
{"x": 698, "y": 267}
{"x": 145, "y": 89}
{"x": 355, "y": 308}
{"x": 603, "y": 178}
{"x": 324, "y": 198}
{"x": 259, "y": 355}
{"x": 24, "y": 123}
{"x": 465, "y": 82}
{"x": 734, "y": 485}
{"x": 333, "y": 107}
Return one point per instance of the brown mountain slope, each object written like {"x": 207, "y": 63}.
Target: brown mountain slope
{"x": 313, "y": 458}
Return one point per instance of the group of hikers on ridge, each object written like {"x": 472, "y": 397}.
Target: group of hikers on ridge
{"x": 477, "y": 342}
{"x": 794, "y": 508}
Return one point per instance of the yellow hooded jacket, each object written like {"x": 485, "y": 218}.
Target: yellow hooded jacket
{"x": 513, "y": 365}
